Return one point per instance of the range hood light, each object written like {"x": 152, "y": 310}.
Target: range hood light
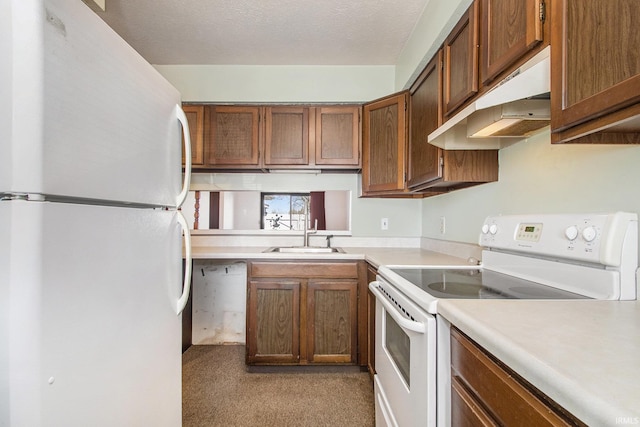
{"x": 494, "y": 128}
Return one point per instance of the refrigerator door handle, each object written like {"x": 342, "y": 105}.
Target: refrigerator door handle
{"x": 182, "y": 118}
{"x": 186, "y": 287}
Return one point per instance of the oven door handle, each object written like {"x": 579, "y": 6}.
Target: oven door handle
{"x": 403, "y": 322}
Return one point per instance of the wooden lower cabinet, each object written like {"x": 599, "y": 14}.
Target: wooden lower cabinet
{"x": 273, "y": 317}
{"x": 485, "y": 392}
{"x": 332, "y": 321}
{"x": 304, "y": 313}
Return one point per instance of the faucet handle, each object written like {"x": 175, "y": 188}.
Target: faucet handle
{"x": 329, "y": 240}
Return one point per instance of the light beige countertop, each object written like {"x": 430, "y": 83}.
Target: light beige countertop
{"x": 375, "y": 256}
{"x": 585, "y": 355}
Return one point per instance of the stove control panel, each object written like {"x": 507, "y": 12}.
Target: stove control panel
{"x": 529, "y": 232}
{"x": 594, "y": 238}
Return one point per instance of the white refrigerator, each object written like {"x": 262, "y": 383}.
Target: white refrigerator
{"x": 91, "y": 240}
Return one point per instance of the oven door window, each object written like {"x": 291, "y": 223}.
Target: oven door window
{"x": 398, "y": 346}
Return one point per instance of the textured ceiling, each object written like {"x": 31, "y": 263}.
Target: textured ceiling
{"x": 265, "y": 32}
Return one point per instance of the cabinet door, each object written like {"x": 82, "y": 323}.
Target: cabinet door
{"x": 332, "y": 321}
{"x": 195, "y": 118}
{"x": 232, "y": 135}
{"x": 338, "y": 136}
{"x": 384, "y": 140}
{"x": 273, "y": 321}
{"x": 426, "y": 116}
{"x": 595, "y": 60}
{"x": 510, "y": 28}
{"x": 461, "y": 61}
{"x": 286, "y": 136}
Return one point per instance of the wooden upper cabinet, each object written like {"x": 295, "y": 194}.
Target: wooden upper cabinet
{"x": 432, "y": 169}
{"x": 195, "y": 118}
{"x": 509, "y": 29}
{"x": 461, "y": 61}
{"x": 232, "y": 135}
{"x": 384, "y": 140}
{"x": 286, "y": 136}
{"x": 595, "y": 71}
{"x": 425, "y": 117}
{"x": 337, "y": 135}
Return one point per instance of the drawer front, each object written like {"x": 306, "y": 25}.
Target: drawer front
{"x": 335, "y": 270}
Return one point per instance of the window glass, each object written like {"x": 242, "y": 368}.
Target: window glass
{"x": 286, "y": 211}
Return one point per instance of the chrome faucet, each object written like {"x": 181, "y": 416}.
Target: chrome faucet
{"x": 308, "y": 231}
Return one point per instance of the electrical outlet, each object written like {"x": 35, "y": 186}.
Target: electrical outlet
{"x": 384, "y": 224}
{"x": 442, "y": 225}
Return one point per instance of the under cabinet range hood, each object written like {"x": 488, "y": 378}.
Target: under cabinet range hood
{"x": 514, "y": 109}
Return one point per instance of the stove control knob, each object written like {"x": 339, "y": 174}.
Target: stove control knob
{"x": 493, "y": 229}
{"x": 589, "y": 234}
{"x": 485, "y": 228}
{"x": 571, "y": 232}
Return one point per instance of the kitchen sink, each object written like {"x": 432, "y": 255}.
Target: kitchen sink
{"x": 305, "y": 250}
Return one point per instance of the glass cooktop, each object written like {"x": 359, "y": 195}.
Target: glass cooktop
{"x": 479, "y": 284}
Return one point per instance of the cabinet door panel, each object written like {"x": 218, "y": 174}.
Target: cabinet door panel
{"x": 232, "y": 135}
{"x": 287, "y": 136}
{"x": 510, "y": 28}
{"x": 332, "y": 321}
{"x": 384, "y": 144}
{"x": 195, "y": 118}
{"x": 338, "y": 135}
{"x": 461, "y": 61}
{"x": 595, "y": 74}
{"x": 465, "y": 410}
{"x": 273, "y": 322}
{"x": 426, "y": 113}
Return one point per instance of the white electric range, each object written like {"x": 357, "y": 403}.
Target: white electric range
{"x": 581, "y": 256}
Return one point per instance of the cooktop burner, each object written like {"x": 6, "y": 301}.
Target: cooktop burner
{"x": 478, "y": 284}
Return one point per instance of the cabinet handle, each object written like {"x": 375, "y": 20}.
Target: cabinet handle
{"x": 182, "y": 118}
{"x": 186, "y": 287}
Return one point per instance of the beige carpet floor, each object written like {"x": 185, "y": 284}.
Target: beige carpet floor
{"x": 217, "y": 390}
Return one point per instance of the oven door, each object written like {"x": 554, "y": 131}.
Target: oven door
{"x": 405, "y": 380}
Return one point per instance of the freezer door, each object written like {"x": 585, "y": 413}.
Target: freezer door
{"x": 94, "y": 338}
{"x": 83, "y": 115}
{"x": 5, "y": 244}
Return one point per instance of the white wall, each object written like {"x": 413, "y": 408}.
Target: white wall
{"x": 537, "y": 177}
{"x": 335, "y": 204}
{"x": 273, "y": 84}
{"x": 245, "y": 205}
